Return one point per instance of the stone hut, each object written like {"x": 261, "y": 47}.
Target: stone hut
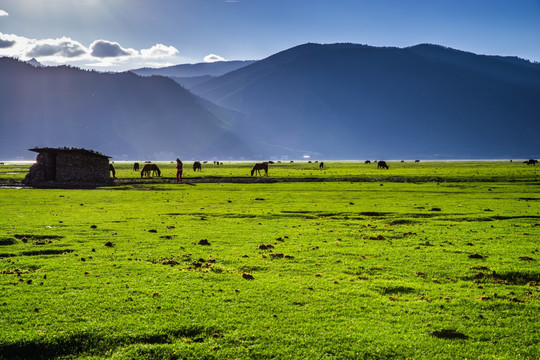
{"x": 68, "y": 167}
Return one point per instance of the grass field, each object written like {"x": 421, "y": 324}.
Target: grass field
{"x": 362, "y": 263}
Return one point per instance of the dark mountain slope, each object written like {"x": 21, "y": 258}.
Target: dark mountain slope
{"x": 116, "y": 114}
{"x": 356, "y": 101}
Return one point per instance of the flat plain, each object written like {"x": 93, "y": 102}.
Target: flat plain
{"x": 424, "y": 260}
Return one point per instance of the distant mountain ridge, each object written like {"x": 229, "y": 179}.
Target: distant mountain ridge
{"x": 358, "y": 101}
{"x": 217, "y": 68}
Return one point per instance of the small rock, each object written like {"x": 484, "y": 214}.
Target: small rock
{"x": 248, "y": 276}
{"x": 204, "y": 242}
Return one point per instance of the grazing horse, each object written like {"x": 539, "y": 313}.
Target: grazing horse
{"x": 149, "y": 170}
{"x": 197, "y": 166}
{"x": 382, "y": 165}
{"x": 111, "y": 169}
{"x": 258, "y": 167}
{"x": 531, "y": 162}
{"x": 136, "y": 166}
{"x": 367, "y": 162}
{"x": 321, "y": 165}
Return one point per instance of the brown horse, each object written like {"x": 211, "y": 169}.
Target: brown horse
{"x": 531, "y": 162}
{"x": 150, "y": 169}
{"x": 197, "y": 166}
{"x": 136, "y": 166}
{"x": 258, "y": 167}
{"x": 382, "y": 165}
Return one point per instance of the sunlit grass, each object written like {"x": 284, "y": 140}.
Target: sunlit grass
{"x": 347, "y": 269}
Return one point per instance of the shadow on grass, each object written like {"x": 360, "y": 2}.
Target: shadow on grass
{"x": 508, "y": 277}
{"x": 38, "y": 252}
{"x": 396, "y": 289}
{"x": 7, "y": 241}
{"x": 91, "y": 343}
{"x": 31, "y": 237}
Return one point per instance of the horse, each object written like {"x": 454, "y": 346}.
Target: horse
{"x": 111, "y": 169}
{"x": 367, "y": 162}
{"x": 197, "y": 166}
{"x": 258, "y": 167}
{"x": 321, "y": 165}
{"x": 382, "y": 165}
{"x": 136, "y": 166}
{"x": 149, "y": 170}
{"x": 531, "y": 162}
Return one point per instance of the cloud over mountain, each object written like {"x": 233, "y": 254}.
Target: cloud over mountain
{"x": 159, "y": 51}
{"x": 104, "y": 48}
{"x": 213, "y": 58}
{"x": 100, "y": 53}
{"x": 63, "y": 47}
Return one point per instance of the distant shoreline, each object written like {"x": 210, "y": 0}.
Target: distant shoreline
{"x": 29, "y": 162}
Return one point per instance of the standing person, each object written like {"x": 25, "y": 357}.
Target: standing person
{"x": 179, "y": 169}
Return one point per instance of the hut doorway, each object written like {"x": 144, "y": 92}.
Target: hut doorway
{"x": 50, "y": 172}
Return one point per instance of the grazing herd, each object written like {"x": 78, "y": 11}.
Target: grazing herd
{"x": 150, "y": 169}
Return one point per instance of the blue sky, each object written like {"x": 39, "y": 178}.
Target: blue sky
{"x": 114, "y": 35}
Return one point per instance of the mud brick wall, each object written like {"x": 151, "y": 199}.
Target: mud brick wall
{"x": 79, "y": 167}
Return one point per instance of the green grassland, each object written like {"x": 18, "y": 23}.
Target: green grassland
{"x": 361, "y": 264}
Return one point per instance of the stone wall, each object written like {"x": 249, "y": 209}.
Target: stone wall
{"x": 69, "y": 168}
{"x": 78, "y": 167}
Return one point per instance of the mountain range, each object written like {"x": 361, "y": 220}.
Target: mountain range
{"x": 354, "y": 101}
{"x": 121, "y": 115}
{"x": 334, "y": 101}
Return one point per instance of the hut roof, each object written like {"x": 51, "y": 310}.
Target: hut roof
{"x": 66, "y": 149}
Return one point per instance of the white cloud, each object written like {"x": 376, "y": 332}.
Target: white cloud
{"x": 3, "y": 13}
{"x": 213, "y": 58}
{"x": 100, "y": 54}
{"x": 159, "y": 51}
{"x": 105, "y": 49}
{"x": 13, "y": 45}
{"x": 59, "y": 48}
